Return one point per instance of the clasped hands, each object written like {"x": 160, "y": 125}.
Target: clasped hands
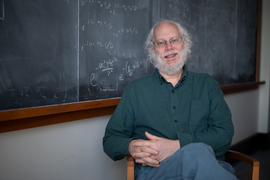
{"x": 151, "y": 152}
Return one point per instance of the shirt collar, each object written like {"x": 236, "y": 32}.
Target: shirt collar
{"x": 162, "y": 80}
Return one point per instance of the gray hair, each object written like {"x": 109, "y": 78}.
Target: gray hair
{"x": 148, "y": 43}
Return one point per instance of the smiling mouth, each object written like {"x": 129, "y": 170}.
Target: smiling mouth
{"x": 171, "y": 55}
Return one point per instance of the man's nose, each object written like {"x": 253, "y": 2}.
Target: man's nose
{"x": 168, "y": 45}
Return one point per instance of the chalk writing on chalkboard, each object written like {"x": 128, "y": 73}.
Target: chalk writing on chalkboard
{"x": 66, "y": 51}
{"x": 220, "y": 36}
{"x": 114, "y": 43}
{"x": 69, "y": 51}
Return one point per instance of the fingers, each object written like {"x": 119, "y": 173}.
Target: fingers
{"x": 143, "y": 151}
{"x": 146, "y": 146}
{"x": 148, "y": 161}
{"x": 141, "y": 148}
{"x": 150, "y": 136}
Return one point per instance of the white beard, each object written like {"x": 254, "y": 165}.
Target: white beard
{"x": 166, "y": 69}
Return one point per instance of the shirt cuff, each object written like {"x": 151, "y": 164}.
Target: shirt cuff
{"x": 124, "y": 146}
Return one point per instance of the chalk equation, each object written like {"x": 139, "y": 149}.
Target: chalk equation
{"x": 110, "y": 87}
{"x": 99, "y": 23}
{"x": 2, "y": 10}
{"x": 131, "y": 31}
{"x": 106, "y": 45}
{"x": 102, "y": 87}
{"x": 122, "y": 54}
{"x": 109, "y": 26}
{"x": 42, "y": 94}
{"x": 110, "y": 6}
{"x": 108, "y": 67}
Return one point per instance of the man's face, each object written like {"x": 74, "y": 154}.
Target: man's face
{"x": 168, "y": 55}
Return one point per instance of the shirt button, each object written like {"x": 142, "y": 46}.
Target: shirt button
{"x": 175, "y": 121}
{"x": 174, "y": 107}
{"x": 172, "y": 91}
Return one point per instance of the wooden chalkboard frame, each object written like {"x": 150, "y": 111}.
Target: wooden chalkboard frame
{"x": 11, "y": 120}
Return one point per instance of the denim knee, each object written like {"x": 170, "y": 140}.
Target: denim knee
{"x": 198, "y": 150}
{"x": 197, "y": 146}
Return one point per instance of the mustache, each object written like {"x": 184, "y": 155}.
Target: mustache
{"x": 170, "y": 52}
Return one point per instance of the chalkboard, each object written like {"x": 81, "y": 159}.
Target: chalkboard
{"x": 38, "y": 53}
{"x": 66, "y": 51}
{"x": 112, "y": 36}
{"x": 223, "y": 34}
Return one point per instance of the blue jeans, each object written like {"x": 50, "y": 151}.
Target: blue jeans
{"x": 195, "y": 161}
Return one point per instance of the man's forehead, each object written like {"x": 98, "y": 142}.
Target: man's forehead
{"x": 166, "y": 28}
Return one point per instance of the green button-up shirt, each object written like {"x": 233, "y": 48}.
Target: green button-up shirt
{"x": 192, "y": 111}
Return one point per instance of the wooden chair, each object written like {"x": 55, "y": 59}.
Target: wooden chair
{"x": 254, "y": 164}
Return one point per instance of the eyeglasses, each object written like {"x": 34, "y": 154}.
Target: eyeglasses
{"x": 174, "y": 41}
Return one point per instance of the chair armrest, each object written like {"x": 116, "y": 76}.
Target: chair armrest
{"x": 130, "y": 168}
{"x": 254, "y": 164}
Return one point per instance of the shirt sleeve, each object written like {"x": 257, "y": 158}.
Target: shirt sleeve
{"x": 119, "y": 129}
{"x": 220, "y": 127}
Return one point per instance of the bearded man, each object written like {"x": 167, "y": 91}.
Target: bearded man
{"x": 175, "y": 123}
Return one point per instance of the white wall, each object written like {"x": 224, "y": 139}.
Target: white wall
{"x": 68, "y": 151}
{"x": 264, "y": 106}
{"x": 244, "y": 108}
{"x": 73, "y": 151}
